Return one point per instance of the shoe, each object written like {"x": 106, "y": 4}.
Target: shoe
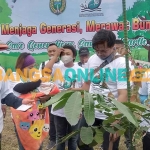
{"x": 51, "y": 145}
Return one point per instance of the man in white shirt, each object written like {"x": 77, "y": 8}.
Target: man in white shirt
{"x": 103, "y": 43}
{"x": 52, "y": 48}
{"x": 67, "y": 80}
{"x": 144, "y": 93}
{"x": 52, "y": 132}
{"x": 84, "y": 56}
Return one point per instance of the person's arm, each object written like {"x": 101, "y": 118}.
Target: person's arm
{"x": 9, "y": 98}
{"x": 121, "y": 85}
{"x": 86, "y": 84}
{"x": 85, "y": 87}
{"x": 24, "y": 88}
{"x": 122, "y": 95}
{"x": 12, "y": 101}
{"x": 50, "y": 64}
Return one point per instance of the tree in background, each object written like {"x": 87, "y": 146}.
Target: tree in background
{"x": 136, "y": 12}
{"x": 5, "y": 12}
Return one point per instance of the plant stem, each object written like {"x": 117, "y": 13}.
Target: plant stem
{"x": 127, "y": 64}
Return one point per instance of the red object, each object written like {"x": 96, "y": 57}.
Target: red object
{"x": 3, "y": 46}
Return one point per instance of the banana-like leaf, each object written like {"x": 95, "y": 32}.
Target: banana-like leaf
{"x": 58, "y": 97}
{"x": 89, "y": 108}
{"x": 86, "y": 135}
{"x": 73, "y": 108}
{"x": 126, "y": 112}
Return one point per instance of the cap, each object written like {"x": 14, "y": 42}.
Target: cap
{"x": 83, "y": 51}
{"x": 3, "y": 46}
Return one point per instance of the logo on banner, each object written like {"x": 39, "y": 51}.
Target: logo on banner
{"x": 57, "y": 6}
{"x": 90, "y": 8}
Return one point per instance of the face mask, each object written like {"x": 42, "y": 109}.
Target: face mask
{"x": 66, "y": 59}
{"x": 50, "y": 57}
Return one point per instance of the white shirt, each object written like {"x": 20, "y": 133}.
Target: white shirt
{"x": 66, "y": 84}
{"x": 145, "y": 89}
{"x": 94, "y": 62}
{"x": 13, "y": 83}
{"x": 4, "y": 91}
{"x": 85, "y": 65}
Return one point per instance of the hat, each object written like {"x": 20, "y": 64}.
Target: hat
{"x": 83, "y": 51}
{"x": 3, "y": 46}
{"x": 29, "y": 60}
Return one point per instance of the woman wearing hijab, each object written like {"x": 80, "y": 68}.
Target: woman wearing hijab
{"x": 32, "y": 125}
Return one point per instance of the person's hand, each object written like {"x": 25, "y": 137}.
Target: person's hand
{"x": 4, "y": 110}
{"x": 46, "y": 78}
{"x": 113, "y": 137}
{"x": 80, "y": 116}
{"x": 27, "y": 101}
{"x": 44, "y": 98}
{"x": 59, "y": 50}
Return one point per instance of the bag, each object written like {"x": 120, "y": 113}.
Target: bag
{"x": 33, "y": 125}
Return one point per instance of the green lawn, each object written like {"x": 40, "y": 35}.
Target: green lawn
{"x": 9, "y": 60}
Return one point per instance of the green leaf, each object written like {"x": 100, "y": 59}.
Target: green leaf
{"x": 58, "y": 97}
{"x": 86, "y": 135}
{"x": 93, "y": 144}
{"x": 109, "y": 129}
{"x": 99, "y": 136}
{"x": 100, "y": 99}
{"x": 144, "y": 128}
{"x": 89, "y": 108}
{"x": 109, "y": 120}
{"x": 112, "y": 119}
{"x": 134, "y": 105}
{"x": 126, "y": 112}
{"x": 120, "y": 129}
{"x": 60, "y": 104}
{"x": 67, "y": 137}
{"x": 73, "y": 108}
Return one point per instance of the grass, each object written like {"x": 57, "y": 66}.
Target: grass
{"x": 9, "y": 141}
{"x": 9, "y": 60}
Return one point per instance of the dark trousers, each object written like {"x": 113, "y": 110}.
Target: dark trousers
{"x": 62, "y": 129}
{"x": 105, "y": 143}
{"x": 52, "y": 131}
{"x": 146, "y": 142}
